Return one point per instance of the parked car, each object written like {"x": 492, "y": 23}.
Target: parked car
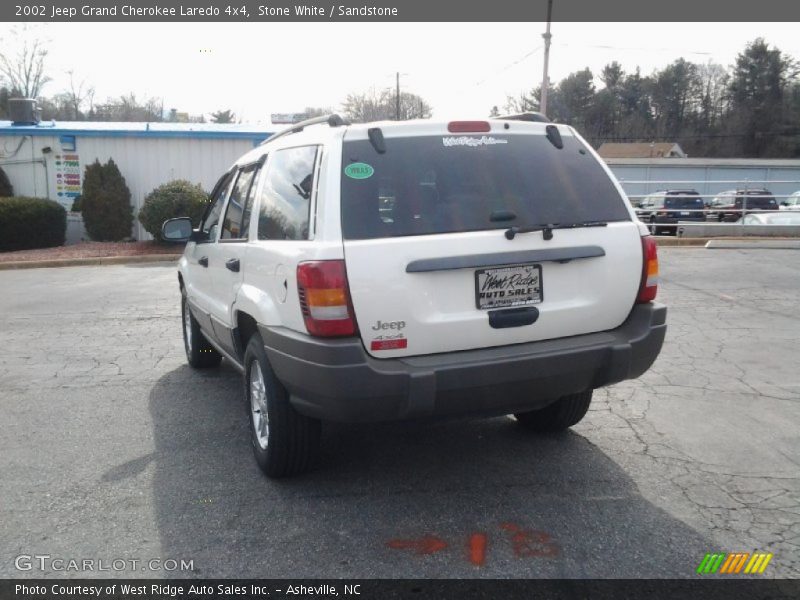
{"x": 670, "y": 207}
{"x": 792, "y": 202}
{"x": 729, "y": 206}
{"x": 399, "y": 270}
{"x": 772, "y": 218}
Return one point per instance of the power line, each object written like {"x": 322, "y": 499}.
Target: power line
{"x": 606, "y": 47}
{"x": 503, "y": 69}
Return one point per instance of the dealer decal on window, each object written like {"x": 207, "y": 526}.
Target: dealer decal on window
{"x": 472, "y": 142}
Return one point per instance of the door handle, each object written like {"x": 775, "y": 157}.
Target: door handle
{"x": 232, "y": 265}
{"x": 203, "y": 261}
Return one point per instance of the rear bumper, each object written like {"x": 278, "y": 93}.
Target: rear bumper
{"x": 337, "y": 380}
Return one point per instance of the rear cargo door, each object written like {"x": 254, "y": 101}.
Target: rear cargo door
{"x": 426, "y": 227}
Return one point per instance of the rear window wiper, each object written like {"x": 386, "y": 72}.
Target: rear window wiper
{"x": 547, "y": 229}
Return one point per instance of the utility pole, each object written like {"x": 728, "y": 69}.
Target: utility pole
{"x": 397, "y": 98}
{"x": 546, "y": 35}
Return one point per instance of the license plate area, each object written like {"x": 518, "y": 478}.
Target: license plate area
{"x": 504, "y": 287}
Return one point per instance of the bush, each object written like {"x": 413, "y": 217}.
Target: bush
{"x": 27, "y": 223}
{"x": 106, "y": 203}
{"x": 6, "y": 189}
{"x": 76, "y": 204}
{"x": 178, "y": 198}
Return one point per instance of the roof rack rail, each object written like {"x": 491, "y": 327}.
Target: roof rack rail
{"x": 532, "y": 117}
{"x": 332, "y": 120}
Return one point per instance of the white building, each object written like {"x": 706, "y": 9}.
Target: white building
{"x": 48, "y": 159}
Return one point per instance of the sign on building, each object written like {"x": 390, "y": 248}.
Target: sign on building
{"x": 287, "y": 118}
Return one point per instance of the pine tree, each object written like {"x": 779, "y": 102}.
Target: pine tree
{"x": 106, "y": 203}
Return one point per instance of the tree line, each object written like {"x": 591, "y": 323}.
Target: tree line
{"x": 750, "y": 110}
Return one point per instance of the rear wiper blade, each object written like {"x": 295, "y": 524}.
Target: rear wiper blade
{"x": 547, "y": 229}
{"x": 583, "y": 224}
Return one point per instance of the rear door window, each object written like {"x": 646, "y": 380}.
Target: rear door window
{"x": 285, "y": 197}
{"x": 442, "y": 184}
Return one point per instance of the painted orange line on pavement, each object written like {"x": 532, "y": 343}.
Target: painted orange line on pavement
{"x": 742, "y": 561}
{"x": 728, "y": 562}
{"x": 477, "y": 549}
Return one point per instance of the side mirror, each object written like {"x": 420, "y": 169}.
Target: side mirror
{"x": 177, "y": 230}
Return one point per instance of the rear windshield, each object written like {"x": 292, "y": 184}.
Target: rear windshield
{"x": 756, "y": 201}
{"x": 442, "y": 184}
{"x": 683, "y": 202}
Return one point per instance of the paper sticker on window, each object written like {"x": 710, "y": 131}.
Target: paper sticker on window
{"x": 359, "y": 170}
{"x": 472, "y": 142}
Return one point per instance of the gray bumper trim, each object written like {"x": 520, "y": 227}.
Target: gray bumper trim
{"x": 336, "y": 379}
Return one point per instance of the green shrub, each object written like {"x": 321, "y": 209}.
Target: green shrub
{"x": 6, "y": 189}
{"x": 106, "y": 203}
{"x": 76, "y": 204}
{"x": 27, "y": 223}
{"x": 178, "y": 198}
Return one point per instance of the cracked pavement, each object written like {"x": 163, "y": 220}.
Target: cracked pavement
{"x": 113, "y": 448}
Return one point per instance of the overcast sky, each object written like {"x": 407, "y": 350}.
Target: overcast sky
{"x": 461, "y": 69}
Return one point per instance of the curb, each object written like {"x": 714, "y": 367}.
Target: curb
{"x": 676, "y": 241}
{"x": 702, "y": 241}
{"x": 754, "y": 244}
{"x": 89, "y": 261}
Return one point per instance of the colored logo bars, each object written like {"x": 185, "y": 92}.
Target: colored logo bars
{"x": 734, "y": 563}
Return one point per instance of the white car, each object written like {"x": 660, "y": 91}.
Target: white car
{"x": 792, "y": 202}
{"x": 398, "y": 270}
{"x": 773, "y": 218}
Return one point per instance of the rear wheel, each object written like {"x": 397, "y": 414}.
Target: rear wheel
{"x": 563, "y": 413}
{"x": 199, "y": 353}
{"x": 284, "y": 441}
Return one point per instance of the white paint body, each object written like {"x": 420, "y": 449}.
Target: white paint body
{"x": 437, "y": 308}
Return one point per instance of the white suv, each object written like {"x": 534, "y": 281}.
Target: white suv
{"x": 398, "y": 270}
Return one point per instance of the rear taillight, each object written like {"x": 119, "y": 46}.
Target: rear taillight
{"x": 325, "y": 298}
{"x": 468, "y": 126}
{"x": 648, "y": 288}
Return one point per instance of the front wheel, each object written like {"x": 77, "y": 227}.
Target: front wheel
{"x": 284, "y": 441}
{"x": 200, "y": 354}
{"x": 562, "y": 414}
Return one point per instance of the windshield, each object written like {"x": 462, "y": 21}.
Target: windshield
{"x": 442, "y": 184}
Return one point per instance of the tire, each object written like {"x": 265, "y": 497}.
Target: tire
{"x": 287, "y": 443}
{"x": 562, "y": 414}
{"x": 199, "y": 353}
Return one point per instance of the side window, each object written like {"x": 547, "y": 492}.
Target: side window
{"x": 211, "y": 219}
{"x": 232, "y": 225}
{"x": 286, "y": 194}
{"x": 248, "y": 203}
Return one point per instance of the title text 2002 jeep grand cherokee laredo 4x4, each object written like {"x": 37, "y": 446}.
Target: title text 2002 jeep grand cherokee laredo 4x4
{"x": 400, "y": 270}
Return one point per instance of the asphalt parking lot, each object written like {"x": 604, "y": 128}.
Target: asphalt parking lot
{"x": 113, "y": 448}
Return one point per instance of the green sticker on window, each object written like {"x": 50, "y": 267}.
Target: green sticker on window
{"x": 359, "y": 170}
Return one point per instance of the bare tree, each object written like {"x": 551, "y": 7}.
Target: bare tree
{"x": 375, "y": 105}
{"x": 77, "y": 95}
{"x": 317, "y": 111}
{"x": 24, "y": 71}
